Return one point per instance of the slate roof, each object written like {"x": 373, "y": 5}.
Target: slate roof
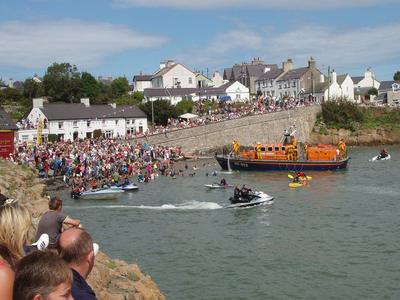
{"x": 142, "y": 77}
{"x": 227, "y": 73}
{"x": 6, "y": 123}
{"x": 161, "y": 92}
{"x": 273, "y": 74}
{"x": 341, "y": 78}
{"x": 321, "y": 87}
{"x": 78, "y": 111}
{"x": 294, "y": 74}
{"x": 357, "y": 79}
{"x": 164, "y": 71}
{"x": 386, "y": 85}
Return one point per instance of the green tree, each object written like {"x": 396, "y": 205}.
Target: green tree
{"x": 184, "y": 106}
{"x": 119, "y": 86}
{"x": 162, "y": 111}
{"x": 61, "y": 82}
{"x": 396, "y": 76}
{"x": 10, "y": 95}
{"x": 33, "y": 89}
{"x": 88, "y": 86}
{"x": 133, "y": 99}
{"x": 372, "y": 91}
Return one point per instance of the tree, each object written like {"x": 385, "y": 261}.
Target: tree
{"x": 396, "y": 76}
{"x": 372, "y": 91}
{"x": 33, "y": 89}
{"x": 184, "y": 106}
{"x": 133, "y": 99}
{"x": 88, "y": 86}
{"x": 61, "y": 82}
{"x": 119, "y": 86}
{"x": 162, "y": 111}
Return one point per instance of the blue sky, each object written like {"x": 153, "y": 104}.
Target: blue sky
{"x": 125, "y": 37}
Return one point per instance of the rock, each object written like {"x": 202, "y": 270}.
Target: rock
{"x": 110, "y": 278}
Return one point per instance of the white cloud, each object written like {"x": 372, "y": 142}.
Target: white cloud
{"x": 37, "y": 44}
{"x": 340, "y": 49}
{"x": 285, "y": 4}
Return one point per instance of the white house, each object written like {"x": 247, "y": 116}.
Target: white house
{"x": 364, "y": 83}
{"x": 173, "y": 75}
{"x": 217, "y": 79}
{"x": 234, "y": 91}
{"x": 70, "y": 121}
{"x": 141, "y": 82}
{"x": 346, "y": 86}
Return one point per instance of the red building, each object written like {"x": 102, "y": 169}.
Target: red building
{"x": 7, "y": 133}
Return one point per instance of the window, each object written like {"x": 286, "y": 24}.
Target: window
{"x": 75, "y": 124}
{"x": 269, "y": 148}
{"x": 108, "y": 134}
{"x": 276, "y": 148}
{"x": 263, "y": 149}
{"x": 103, "y": 122}
{"x": 116, "y": 122}
{"x": 88, "y": 123}
{"x": 283, "y": 148}
{"x": 294, "y": 83}
{"x": 190, "y": 80}
{"x": 60, "y": 125}
{"x": 280, "y": 86}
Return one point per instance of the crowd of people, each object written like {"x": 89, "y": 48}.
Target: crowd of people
{"x": 51, "y": 271}
{"x": 91, "y": 163}
{"x": 222, "y": 111}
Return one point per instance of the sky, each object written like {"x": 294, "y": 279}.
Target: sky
{"x": 126, "y": 37}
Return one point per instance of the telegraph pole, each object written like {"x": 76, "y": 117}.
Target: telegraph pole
{"x": 329, "y": 81}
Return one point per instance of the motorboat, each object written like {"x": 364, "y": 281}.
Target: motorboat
{"x": 101, "y": 193}
{"x": 218, "y": 186}
{"x": 254, "y": 198}
{"x": 379, "y": 157}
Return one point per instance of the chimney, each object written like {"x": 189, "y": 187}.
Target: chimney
{"x": 113, "y": 105}
{"x": 162, "y": 65}
{"x": 311, "y": 63}
{"x": 287, "y": 65}
{"x": 85, "y": 101}
{"x": 10, "y": 83}
{"x": 322, "y": 78}
{"x": 170, "y": 62}
{"x": 37, "y": 102}
{"x": 334, "y": 77}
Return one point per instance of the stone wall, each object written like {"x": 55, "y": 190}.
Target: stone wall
{"x": 260, "y": 128}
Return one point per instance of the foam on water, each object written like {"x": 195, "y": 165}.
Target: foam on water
{"x": 191, "y": 205}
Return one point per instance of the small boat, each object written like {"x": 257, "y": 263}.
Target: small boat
{"x": 218, "y": 186}
{"x": 102, "y": 193}
{"x": 295, "y": 184}
{"x": 255, "y": 198}
{"x": 126, "y": 187}
{"x": 378, "y": 157}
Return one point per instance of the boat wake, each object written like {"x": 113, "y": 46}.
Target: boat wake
{"x": 191, "y": 205}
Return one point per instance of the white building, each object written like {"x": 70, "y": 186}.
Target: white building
{"x": 347, "y": 86}
{"x": 362, "y": 84}
{"x": 217, "y": 79}
{"x": 70, "y": 121}
{"x": 141, "y": 82}
{"x": 234, "y": 91}
{"x": 173, "y": 75}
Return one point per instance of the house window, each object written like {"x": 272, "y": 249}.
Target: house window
{"x": 280, "y": 86}
{"x": 88, "y": 123}
{"x": 294, "y": 83}
{"x": 60, "y": 125}
{"x": 108, "y": 134}
{"x": 75, "y": 124}
{"x": 116, "y": 122}
{"x": 190, "y": 80}
{"x": 103, "y": 122}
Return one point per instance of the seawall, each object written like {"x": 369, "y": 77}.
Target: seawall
{"x": 263, "y": 128}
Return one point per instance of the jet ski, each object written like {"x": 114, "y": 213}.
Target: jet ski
{"x": 253, "y": 199}
{"x": 379, "y": 157}
{"x": 125, "y": 187}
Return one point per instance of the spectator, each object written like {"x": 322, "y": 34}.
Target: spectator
{"x": 52, "y": 222}
{"x": 15, "y": 225}
{"x": 77, "y": 249}
{"x": 42, "y": 275}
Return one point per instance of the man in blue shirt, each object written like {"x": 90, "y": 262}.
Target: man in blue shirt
{"x": 76, "y": 248}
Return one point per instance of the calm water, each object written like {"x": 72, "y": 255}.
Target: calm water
{"x": 337, "y": 239}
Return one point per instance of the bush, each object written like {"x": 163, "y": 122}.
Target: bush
{"x": 97, "y": 133}
{"x": 52, "y": 138}
{"x": 342, "y": 114}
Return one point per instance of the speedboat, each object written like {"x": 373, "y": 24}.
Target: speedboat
{"x": 218, "y": 186}
{"x": 125, "y": 187}
{"x": 379, "y": 157}
{"x": 102, "y": 193}
{"x": 254, "y": 198}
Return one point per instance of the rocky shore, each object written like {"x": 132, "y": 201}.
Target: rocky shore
{"x": 365, "y": 137}
{"x": 110, "y": 278}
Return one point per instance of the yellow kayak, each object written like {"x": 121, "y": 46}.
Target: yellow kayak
{"x": 308, "y": 177}
{"x": 295, "y": 184}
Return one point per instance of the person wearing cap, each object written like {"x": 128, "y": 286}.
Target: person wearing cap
{"x": 77, "y": 249}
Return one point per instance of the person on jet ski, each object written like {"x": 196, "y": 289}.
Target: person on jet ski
{"x": 245, "y": 192}
{"x": 383, "y": 153}
{"x": 223, "y": 182}
{"x": 236, "y": 192}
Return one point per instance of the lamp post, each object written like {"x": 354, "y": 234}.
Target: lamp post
{"x": 152, "y": 114}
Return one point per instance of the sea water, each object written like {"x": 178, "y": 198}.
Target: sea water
{"x": 336, "y": 239}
